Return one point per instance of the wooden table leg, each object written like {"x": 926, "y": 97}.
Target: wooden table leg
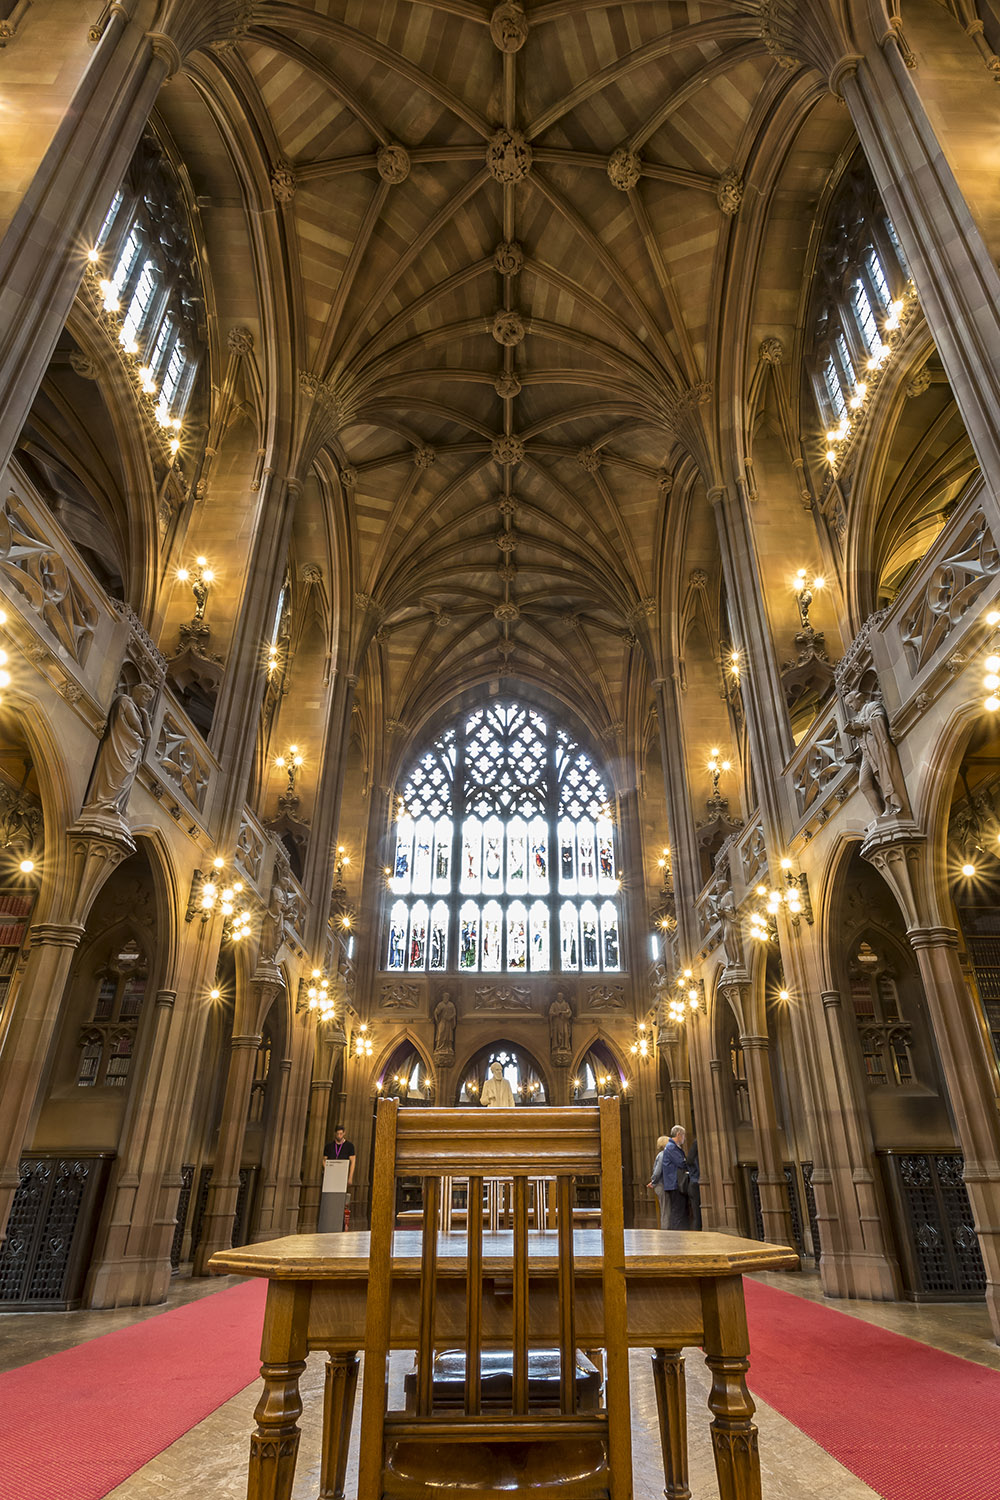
{"x": 275, "y": 1444}
{"x": 338, "y": 1413}
{"x": 671, "y": 1405}
{"x": 734, "y": 1435}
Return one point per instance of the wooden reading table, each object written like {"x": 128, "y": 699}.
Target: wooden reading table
{"x": 684, "y": 1289}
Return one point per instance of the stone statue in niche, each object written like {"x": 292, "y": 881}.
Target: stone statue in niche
{"x": 497, "y": 1092}
{"x": 444, "y": 1029}
{"x": 560, "y": 1030}
{"x": 119, "y": 757}
{"x": 723, "y": 908}
{"x": 880, "y": 775}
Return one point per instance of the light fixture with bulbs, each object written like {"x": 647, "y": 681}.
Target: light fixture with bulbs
{"x": 362, "y": 1042}
{"x": 291, "y": 763}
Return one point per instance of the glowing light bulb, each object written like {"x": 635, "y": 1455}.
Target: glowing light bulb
{"x": 93, "y": 254}
{"x": 783, "y": 995}
{"x": 991, "y": 681}
{"x": 991, "y": 705}
{"x": 831, "y": 457}
{"x": 968, "y": 870}
{"x": 786, "y": 863}
{"x": 214, "y": 993}
{"x": 993, "y": 618}
{"x": 26, "y": 866}
{"x": 992, "y": 664}
{"x": 218, "y": 862}
{"x": 182, "y": 575}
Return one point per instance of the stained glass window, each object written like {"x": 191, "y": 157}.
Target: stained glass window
{"x": 503, "y": 852}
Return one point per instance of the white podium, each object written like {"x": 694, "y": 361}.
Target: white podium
{"x": 333, "y": 1197}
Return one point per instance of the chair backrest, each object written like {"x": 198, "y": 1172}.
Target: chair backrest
{"x": 520, "y": 1144}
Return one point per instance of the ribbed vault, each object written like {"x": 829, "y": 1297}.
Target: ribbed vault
{"x": 508, "y": 234}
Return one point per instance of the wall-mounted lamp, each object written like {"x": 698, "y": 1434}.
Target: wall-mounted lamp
{"x": 200, "y": 579}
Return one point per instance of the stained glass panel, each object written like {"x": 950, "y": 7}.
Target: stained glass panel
{"x": 517, "y": 936}
{"x": 402, "y": 868}
{"x": 472, "y": 855}
{"x": 492, "y": 956}
{"x": 468, "y": 953}
{"x": 588, "y": 931}
{"x": 439, "y": 936}
{"x": 538, "y": 872}
{"x": 418, "y": 936}
{"x": 540, "y": 958}
{"x": 569, "y": 932}
{"x": 424, "y": 839}
{"x": 398, "y": 923}
{"x": 517, "y": 857}
{"x": 493, "y": 855}
{"x": 609, "y": 936}
{"x": 442, "y": 856}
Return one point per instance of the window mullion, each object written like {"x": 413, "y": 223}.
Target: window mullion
{"x": 457, "y": 821}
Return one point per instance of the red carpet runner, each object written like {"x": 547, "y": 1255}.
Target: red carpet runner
{"x": 78, "y": 1423}
{"x": 909, "y": 1421}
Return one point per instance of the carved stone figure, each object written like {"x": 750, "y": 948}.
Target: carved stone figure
{"x": 724, "y": 910}
{"x": 126, "y": 736}
{"x": 880, "y": 775}
{"x": 275, "y": 920}
{"x": 508, "y": 155}
{"x": 624, "y": 169}
{"x": 444, "y": 1028}
{"x": 392, "y": 163}
{"x": 497, "y": 1092}
{"x": 509, "y": 26}
{"x": 560, "y": 1029}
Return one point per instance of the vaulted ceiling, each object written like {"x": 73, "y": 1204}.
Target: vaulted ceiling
{"x": 508, "y": 230}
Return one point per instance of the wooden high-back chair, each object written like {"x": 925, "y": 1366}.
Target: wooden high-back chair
{"x": 549, "y": 1455}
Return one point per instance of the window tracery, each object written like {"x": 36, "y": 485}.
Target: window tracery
{"x": 504, "y": 856}
{"x": 860, "y": 273}
{"x": 153, "y": 276}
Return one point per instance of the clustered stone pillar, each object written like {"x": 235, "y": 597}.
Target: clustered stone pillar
{"x": 770, "y": 1167}
{"x": 970, "y": 1089}
{"x": 224, "y": 1187}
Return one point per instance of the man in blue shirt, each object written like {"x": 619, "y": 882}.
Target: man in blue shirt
{"x": 671, "y": 1161}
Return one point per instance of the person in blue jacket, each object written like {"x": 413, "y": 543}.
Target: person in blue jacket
{"x": 671, "y": 1161}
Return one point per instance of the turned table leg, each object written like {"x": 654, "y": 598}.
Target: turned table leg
{"x": 338, "y": 1413}
{"x": 734, "y": 1436}
{"x": 671, "y": 1406}
{"x": 275, "y": 1444}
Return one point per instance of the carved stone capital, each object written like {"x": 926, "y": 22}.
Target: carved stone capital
{"x": 55, "y": 934}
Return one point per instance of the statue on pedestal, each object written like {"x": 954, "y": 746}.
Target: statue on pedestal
{"x": 723, "y": 907}
{"x": 119, "y": 757}
{"x": 880, "y": 775}
{"x": 497, "y": 1092}
{"x": 444, "y": 1029}
{"x": 560, "y": 1030}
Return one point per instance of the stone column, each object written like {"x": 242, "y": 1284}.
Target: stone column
{"x": 330, "y": 1039}
{"x": 720, "y": 1202}
{"x": 971, "y": 1091}
{"x": 275, "y": 1148}
{"x": 868, "y": 1268}
{"x": 680, "y": 1105}
{"x": 34, "y": 1015}
{"x": 130, "y": 1269}
{"x": 770, "y": 1167}
{"x": 224, "y": 1186}
{"x": 36, "y": 1004}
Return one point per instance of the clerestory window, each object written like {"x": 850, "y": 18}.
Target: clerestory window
{"x": 504, "y": 853}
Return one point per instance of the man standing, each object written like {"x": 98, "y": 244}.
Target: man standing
{"x": 670, "y": 1162}
{"x": 340, "y": 1149}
